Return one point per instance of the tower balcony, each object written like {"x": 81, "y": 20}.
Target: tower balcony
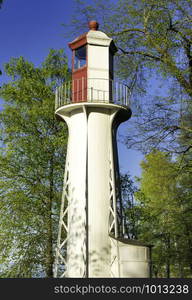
{"x": 92, "y": 90}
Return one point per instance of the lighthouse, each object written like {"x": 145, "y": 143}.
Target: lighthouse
{"x": 90, "y": 236}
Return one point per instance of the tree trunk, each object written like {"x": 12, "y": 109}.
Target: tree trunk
{"x": 168, "y": 269}
{"x": 181, "y": 270}
{"x": 49, "y": 248}
{"x": 168, "y": 258}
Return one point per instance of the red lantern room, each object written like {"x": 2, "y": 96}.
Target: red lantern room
{"x": 92, "y": 66}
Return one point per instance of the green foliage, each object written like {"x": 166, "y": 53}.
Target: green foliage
{"x": 131, "y": 211}
{"x": 166, "y": 215}
{"x": 31, "y": 162}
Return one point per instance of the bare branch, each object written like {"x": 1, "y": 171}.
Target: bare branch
{"x": 184, "y": 151}
{"x": 140, "y": 53}
{"x": 128, "y": 30}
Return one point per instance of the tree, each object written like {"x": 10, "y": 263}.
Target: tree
{"x": 131, "y": 209}
{"x": 31, "y": 162}
{"x": 166, "y": 215}
{"x": 154, "y": 40}
{"x": 1, "y": 1}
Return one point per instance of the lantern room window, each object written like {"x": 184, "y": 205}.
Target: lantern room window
{"x": 80, "y": 57}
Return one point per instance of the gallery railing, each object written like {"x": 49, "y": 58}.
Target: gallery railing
{"x": 92, "y": 90}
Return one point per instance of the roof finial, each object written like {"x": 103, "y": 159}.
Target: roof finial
{"x": 93, "y": 25}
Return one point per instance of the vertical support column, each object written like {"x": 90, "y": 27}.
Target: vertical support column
{"x": 60, "y": 263}
{"x": 74, "y": 229}
{"x": 76, "y": 246}
{"x": 113, "y": 221}
{"x": 98, "y": 191}
{"x": 101, "y": 190}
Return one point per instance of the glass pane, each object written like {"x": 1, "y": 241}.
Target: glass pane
{"x": 80, "y": 57}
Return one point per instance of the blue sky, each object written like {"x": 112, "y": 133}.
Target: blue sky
{"x": 30, "y": 29}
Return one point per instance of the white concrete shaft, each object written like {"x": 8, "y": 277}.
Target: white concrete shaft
{"x": 89, "y": 162}
{"x": 99, "y": 156}
{"x": 77, "y": 153}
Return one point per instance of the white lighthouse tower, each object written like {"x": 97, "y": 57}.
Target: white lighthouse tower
{"x": 90, "y": 241}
